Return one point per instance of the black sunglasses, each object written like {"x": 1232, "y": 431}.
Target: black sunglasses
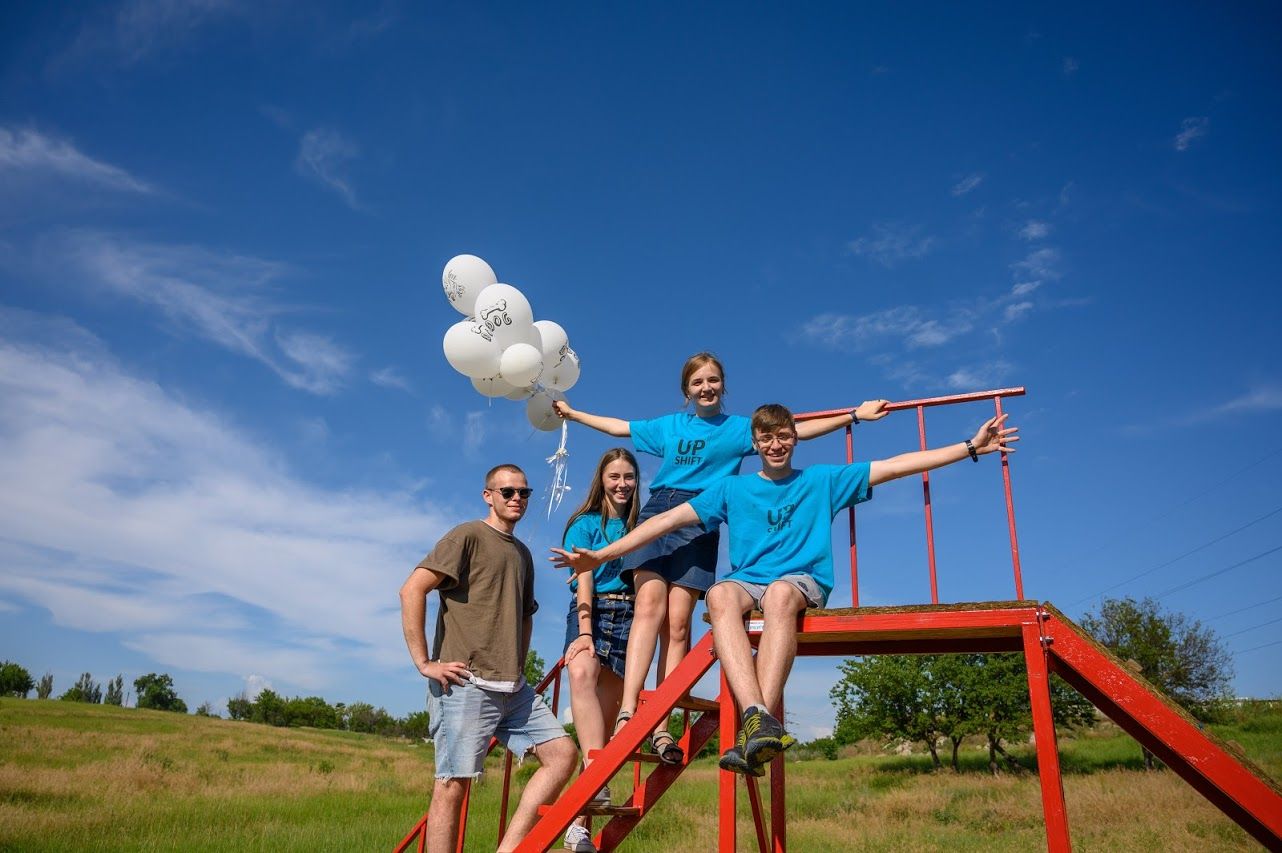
{"x": 508, "y": 491}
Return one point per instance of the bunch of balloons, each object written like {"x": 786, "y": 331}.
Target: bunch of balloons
{"x": 501, "y": 347}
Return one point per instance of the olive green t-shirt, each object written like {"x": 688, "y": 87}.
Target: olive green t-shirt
{"x": 487, "y": 593}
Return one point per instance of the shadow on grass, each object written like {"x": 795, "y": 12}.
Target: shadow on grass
{"x": 1072, "y": 760}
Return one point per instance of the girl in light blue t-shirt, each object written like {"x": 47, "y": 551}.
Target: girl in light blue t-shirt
{"x": 697, "y": 449}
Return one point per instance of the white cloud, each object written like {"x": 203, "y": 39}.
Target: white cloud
{"x": 1023, "y": 288}
{"x": 978, "y": 376}
{"x": 324, "y": 155}
{"x": 906, "y": 323}
{"x": 138, "y": 29}
{"x": 218, "y": 296}
{"x": 129, "y": 511}
{"x": 1038, "y": 264}
{"x": 1034, "y": 230}
{"x": 891, "y": 242}
{"x": 30, "y": 154}
{"x": 968, "y": 183}
{"x": 389, "y": 377}
{"x": 255, "y": 684}
{"x": 1016, "y": 310}
{"x": 1266, "y": 399}
{"x": 1192, "y": 128}
{"x": 473, "y": 432}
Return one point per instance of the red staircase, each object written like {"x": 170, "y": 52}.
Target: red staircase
{"x": 1049, "y": 641}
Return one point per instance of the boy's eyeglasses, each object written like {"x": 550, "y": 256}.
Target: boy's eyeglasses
{"x": 784, "y": 438}
{"x": 508, "y": 491}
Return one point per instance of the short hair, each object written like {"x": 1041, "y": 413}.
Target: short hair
{"x": 771, "y": 417}
{"x": 497, "y": 469}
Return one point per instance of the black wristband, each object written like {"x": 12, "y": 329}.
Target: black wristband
{"x": 583, "y": 635}
{"x": 970, "y": 448}
{"x": 854, "y": 419}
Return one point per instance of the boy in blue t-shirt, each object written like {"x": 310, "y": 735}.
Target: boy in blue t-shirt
{"x": 780, "y": 523}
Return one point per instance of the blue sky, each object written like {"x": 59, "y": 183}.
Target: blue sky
{"x": 227, "y": 430}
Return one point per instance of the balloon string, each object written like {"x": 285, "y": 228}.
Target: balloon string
{"x": 559, "y": 461}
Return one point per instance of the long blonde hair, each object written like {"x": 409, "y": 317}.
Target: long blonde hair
{"x": 598, "y": 501}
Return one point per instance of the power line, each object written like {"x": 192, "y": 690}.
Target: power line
{"x": 1201, "y": 495}
{"x": 1201, "y": 547}
{"x": 1217, "y": 572}
{"x": 1253, "y": 648}
{"x": 1244, "y": 609}
{"x": 1252, "y": 628}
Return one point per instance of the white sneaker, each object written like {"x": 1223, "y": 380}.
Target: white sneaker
{"x": 578, "y": 839}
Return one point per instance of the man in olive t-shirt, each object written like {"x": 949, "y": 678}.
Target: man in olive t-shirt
{"x": 485, "y": 578}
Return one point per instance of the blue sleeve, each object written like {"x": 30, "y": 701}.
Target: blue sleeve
{"x": 744, "y": 426}
{"x": 850, "y": 484}
{"x": 582, "y": 533}
{"x": 649, "y": 436}
{"x": 711, "y": 504}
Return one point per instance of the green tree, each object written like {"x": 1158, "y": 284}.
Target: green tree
{"x": 239, "y": 707}
{"x": 156, "y": 691}
{"x": 45, "y": 688}
{"x": 534, "y": 667}
{"x": 1184, "y": 658}
{"x": 205, "y": 709}
{"x": 311, "y": 711}
{"x": 115, "y": 692}
{"x": 888, "y": 696}
{"x": 84, "y": 690}
{"x": 415, "y": 725}
{"x": 269, "y": 708}
{"x": 15, "y": 680}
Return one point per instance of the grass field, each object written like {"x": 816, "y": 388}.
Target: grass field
{"x": 76, "y": 776}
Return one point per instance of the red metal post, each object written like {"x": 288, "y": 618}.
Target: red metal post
{"x": 854, "y": 551}
{"x": 778, "y": 799}
{"x": 1010, "y": 515}
{"x": 754, "y": 800}
{"x": 507, "y": 791}
{"x": 1039, "y": 694}
{"x": 726, "y": 780}
{"x": 930, "y": 521}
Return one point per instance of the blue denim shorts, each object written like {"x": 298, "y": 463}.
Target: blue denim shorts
{"x": 685, "y": 557}
{"x": 611, "y": 623}
{"x": 810, "y": 589}
{"x": 464, "y": 717}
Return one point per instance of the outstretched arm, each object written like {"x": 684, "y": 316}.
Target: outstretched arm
{"x": 990, "y": 438}
{"x": 583, "y": 560}
{"x": 869, "y": 410}
{"x": 610, "y": 426}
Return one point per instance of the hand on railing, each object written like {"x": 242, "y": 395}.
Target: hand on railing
{"x": 872, "y": 410}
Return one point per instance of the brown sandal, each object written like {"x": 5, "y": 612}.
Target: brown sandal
{"x": 664, "y": 745}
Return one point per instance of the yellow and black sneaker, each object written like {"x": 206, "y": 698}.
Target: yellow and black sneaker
{"x": 733, "y": 760}
{"x": 764, "y": 738}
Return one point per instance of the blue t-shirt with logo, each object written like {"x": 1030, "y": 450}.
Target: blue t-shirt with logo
{"x": 783, "y": 527}
{"x": 585, "y": 532}
{"x": 696, "y": 452}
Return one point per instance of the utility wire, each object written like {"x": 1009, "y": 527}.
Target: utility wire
{"x": 1201, "y": 547}
{"x": 1201, "y": 495}
{"x": 1218, "y": 572}
{"x": 1244, "y": 609}
{"x": 1253, "y": 648}
{"x": 1252, "y": 628}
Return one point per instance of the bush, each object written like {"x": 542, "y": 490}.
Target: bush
{"x": 14, "y": 680}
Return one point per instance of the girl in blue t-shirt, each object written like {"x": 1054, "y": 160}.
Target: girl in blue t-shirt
{"x": 671, "y": 574}
{"x": 596, "y": 628}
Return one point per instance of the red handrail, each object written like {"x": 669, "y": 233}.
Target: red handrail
{"x": 921, "y": 405}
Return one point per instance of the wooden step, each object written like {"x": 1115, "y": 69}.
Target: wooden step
{"x": 688, "y": 703}
{"x": 645, "y": 757}
{"x": 609, "y": 811}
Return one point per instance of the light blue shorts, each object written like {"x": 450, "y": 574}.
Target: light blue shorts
{"x": 465, "y": 717}
{"x": 810, "y": 589}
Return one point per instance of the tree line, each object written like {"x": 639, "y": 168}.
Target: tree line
{"x": 942, "y": 699}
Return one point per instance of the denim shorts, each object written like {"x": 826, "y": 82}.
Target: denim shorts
{"x": 809, "y": 587}
{"x": 611, "y": 623}
{"x": 685, "y": 557}
{"x": 464, "y": 717}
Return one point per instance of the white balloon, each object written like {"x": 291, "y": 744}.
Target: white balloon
{"x": 564, "y": 372}
{"x": 463, "y": 278}
{"x": 540, "y": 412}
{"x": 520, "y": 364}
{"x": 523, "y": 393}
{"x": 507, "y": 313}
{"x": 494, "y": 386}
{"x": 470, "y": 349}
{"x": 552, "y": 338}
